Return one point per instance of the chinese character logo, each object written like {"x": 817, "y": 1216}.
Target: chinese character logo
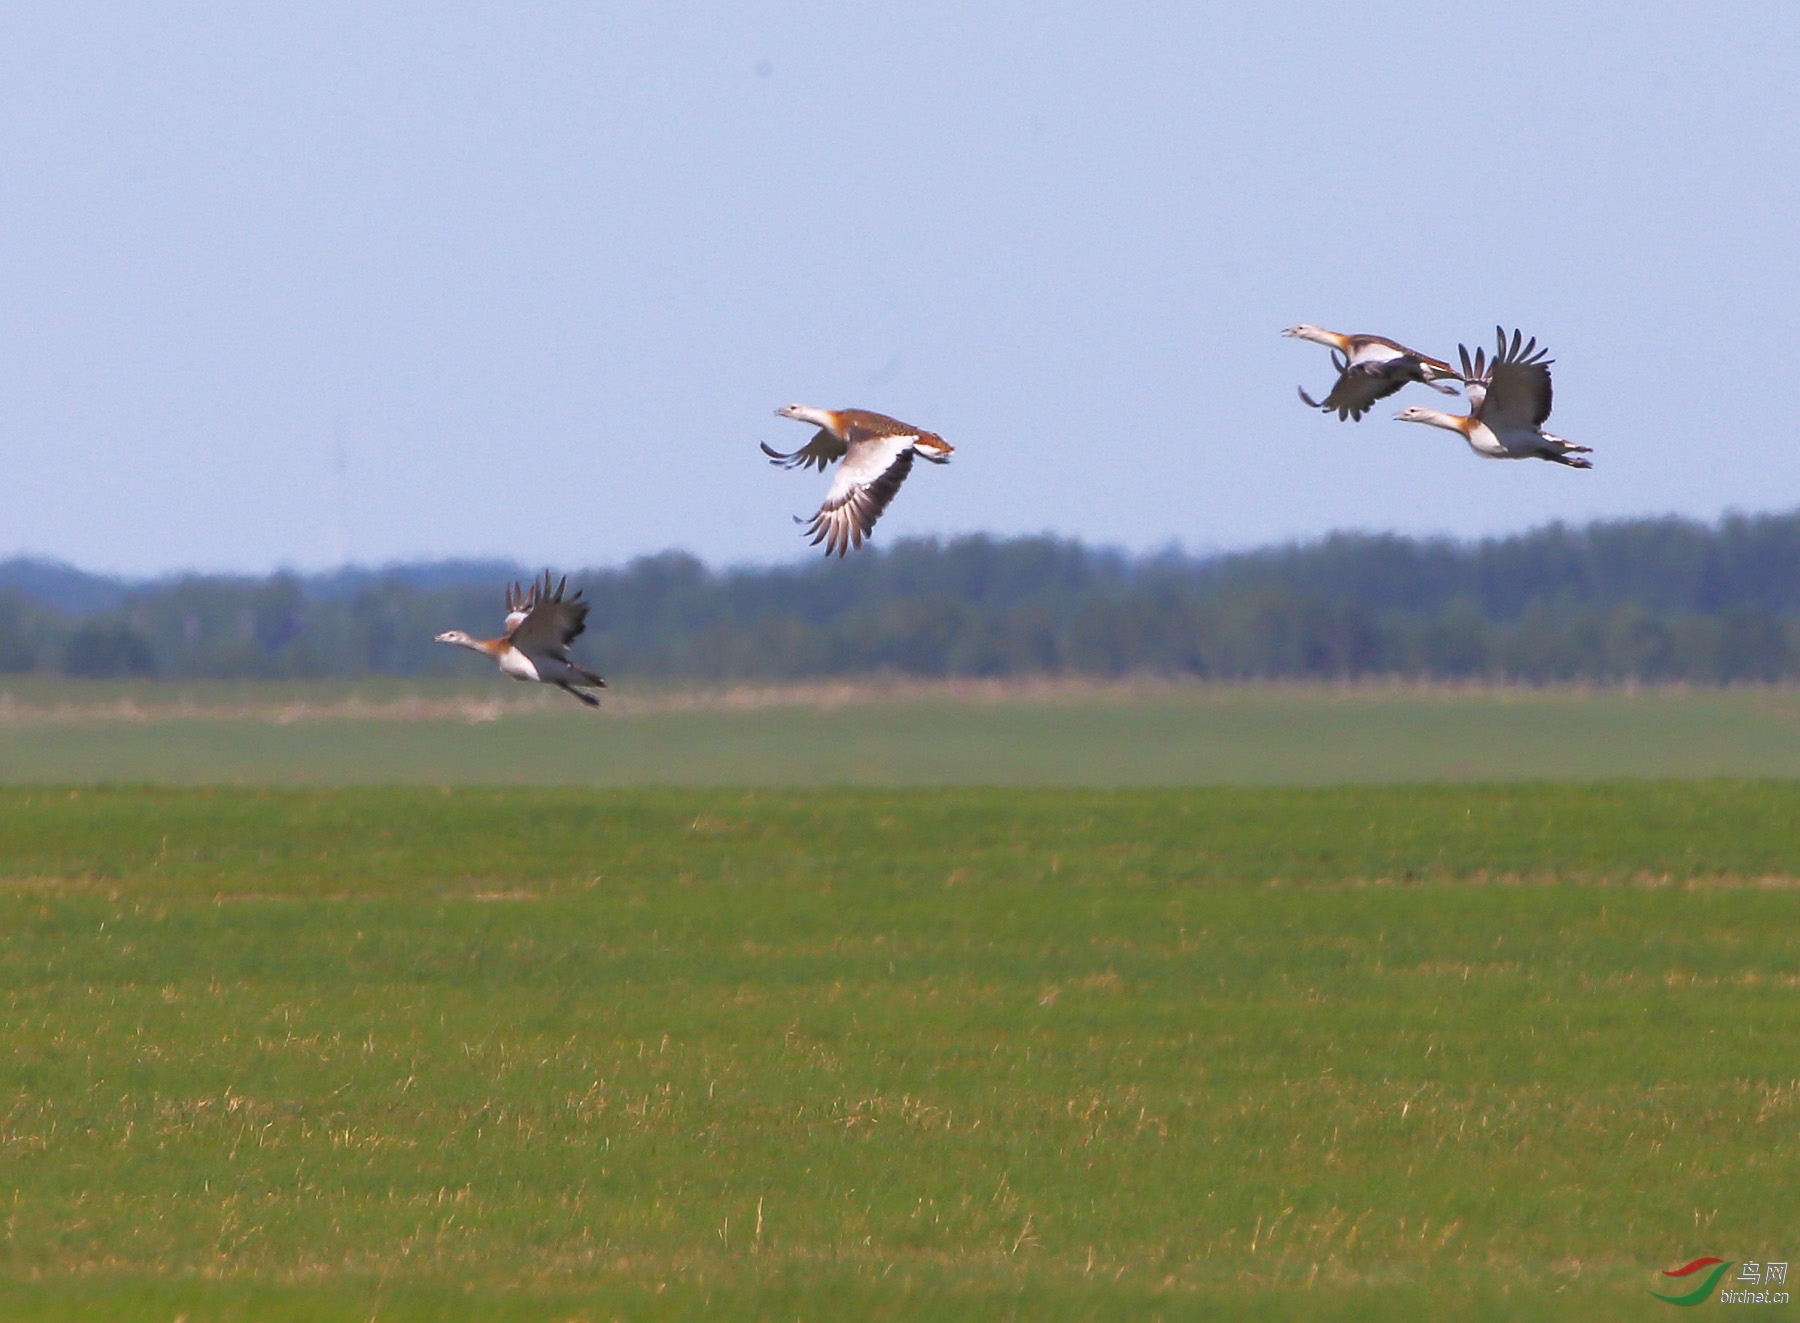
{"x": 1754, "y": 1281}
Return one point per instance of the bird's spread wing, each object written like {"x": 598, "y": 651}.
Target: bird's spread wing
{"x": 872, "y": 472}
{"x": 821, "y": 450}
{"x": 1474, "y": 378}
{"x": 1517, "y": 396}
{"x": 518, "y": 606}
{"x": 1357, "y": 388}
{"x": 551, "y": 624}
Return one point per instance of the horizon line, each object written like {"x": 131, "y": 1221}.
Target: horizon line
{"x": 805, "y": 557}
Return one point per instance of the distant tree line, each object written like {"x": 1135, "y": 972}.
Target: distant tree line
{"x": 1646, "y": 599}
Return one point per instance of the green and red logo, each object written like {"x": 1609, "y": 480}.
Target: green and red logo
{"x": 1699, "y": 1293}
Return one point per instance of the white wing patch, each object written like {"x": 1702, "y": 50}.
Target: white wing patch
{"x": 1375, "y": 353}
{"x": 871, "y": 473}
{"x": 866, "y": 462}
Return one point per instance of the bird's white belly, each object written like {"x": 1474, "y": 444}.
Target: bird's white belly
{"x": 1483, "y": 442}
{"x": 518, "y": 665}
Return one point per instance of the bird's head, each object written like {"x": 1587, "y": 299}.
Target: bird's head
{"x": 1317, "y": 334}
{"x": 805, "y": 413}
{"x": 456, "y": 637}
{"x": 1412, "y": 413}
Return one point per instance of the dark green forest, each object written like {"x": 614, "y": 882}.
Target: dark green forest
{"x": 1642, "y": 599}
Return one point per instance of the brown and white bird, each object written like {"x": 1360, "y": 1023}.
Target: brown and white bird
{"x": 1369, "y": 368}
{"x": 540, "y": 625}
{"x": 878, "y": 454}
{"x": 1509, "y": 401}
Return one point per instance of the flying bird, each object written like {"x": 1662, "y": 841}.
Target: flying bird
{"x": 878, "y": 454}
{"x": 1369, "y": 368}
{"x": 540, "y": 625}
{"x": 1509, "y": 399}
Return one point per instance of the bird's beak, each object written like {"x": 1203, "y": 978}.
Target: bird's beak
{"x": 441, "y": 638}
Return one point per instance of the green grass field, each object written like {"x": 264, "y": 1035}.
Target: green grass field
{"x": 495, "y": 732}
{"x": 1376, "y": 1053}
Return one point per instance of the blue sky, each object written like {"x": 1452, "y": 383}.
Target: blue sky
{"x": 295, "y": 285}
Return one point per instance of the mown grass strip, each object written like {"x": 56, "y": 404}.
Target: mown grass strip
{"x": 1178, "y": 735}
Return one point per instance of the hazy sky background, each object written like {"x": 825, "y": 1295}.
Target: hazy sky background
{"x": 294, "y": 285}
